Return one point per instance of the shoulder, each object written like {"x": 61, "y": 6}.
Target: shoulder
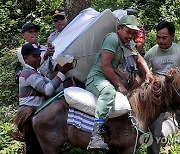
{"x": 111, "y": 38}
{"x": 27, "y": 72}
{"x": 176, "y": 47}
{"x": 151, "y": 53}
{"x": 53, "y": 35}
{"x": 43, "y": 47}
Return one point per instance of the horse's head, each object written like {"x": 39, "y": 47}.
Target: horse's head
{"x": 150, "y": 100}
{"x": 172, "y": 79}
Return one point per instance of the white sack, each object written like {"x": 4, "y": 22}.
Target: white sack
{"x": 85, "y": 101}
{"x": 83, "y": 38}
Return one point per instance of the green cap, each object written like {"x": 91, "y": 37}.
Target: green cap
{"x": 130, "y": 21}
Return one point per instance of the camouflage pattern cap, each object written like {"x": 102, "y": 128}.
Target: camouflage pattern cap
{"x": 130, "y": 21}
{"x": 57, "y": 12}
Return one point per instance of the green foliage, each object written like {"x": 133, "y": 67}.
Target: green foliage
{"x": 7, "y": 145}
{"x": 13, "y": 14}
{"x": 8, "y": 66}
{"x": 100, "y": 5}
{"x": 150, "y": 40}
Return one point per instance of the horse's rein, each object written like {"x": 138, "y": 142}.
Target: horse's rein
{"x": 135, "y": 125}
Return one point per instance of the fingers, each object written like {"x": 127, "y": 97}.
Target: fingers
{"x": 123, "y": 90}
{"x": 149, "y": 77}
{"x": 50, "y": 51}
{"x": 67, "y": 67}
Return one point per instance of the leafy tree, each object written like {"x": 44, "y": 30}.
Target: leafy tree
{"x": 14, "y": 13}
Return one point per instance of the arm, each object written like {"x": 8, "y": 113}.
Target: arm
{"x": 49, "y": 51}
{"x": 144, "y": 68}
{"x": 40, "y": 84}
{"x": 106, "y": 65}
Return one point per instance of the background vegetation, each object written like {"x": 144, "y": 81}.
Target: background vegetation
{"x": 14, "y": 13}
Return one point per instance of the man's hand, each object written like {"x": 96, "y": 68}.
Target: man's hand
{"x": 149, "y": 77}
{"x": 50, "y": 50}
{"x": 123, "y": 90}
{"x": 64, "y": 69}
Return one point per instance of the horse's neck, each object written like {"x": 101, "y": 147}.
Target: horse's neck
{"x": 146, "y": 106}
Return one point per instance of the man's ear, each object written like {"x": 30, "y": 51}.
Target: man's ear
{"x": 22, "y": 35}
{"x": 25, "y": 58}
{"x": 117, "y": 28}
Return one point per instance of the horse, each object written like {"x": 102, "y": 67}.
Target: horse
{"x": 147, "y": 102}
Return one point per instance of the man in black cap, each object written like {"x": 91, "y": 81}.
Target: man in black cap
{"x": 33, "y": 87}
{"x": 30, "y": 34}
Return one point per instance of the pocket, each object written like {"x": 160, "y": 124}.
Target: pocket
{"x": 90, "y": 86}
{"x": 89, "y": 81}
{"x": 101, "y": 83}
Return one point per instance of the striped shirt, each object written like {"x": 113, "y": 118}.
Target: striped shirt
{"x": 33, "y": 87}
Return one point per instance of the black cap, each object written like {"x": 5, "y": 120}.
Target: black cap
{"x": 28, "y": 26}
{"x": 30, "y": 49}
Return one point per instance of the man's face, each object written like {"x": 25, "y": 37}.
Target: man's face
{"x": 33, "y": 60}
{"x": 125, "y": 34}
{"x": 31, "y": 35}
{"x": 60, "y": 22}
{"x": 164, "y": 39}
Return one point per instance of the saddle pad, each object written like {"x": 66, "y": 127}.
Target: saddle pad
{"x": 80, "y": 120}
{"x": 85, "y": 101}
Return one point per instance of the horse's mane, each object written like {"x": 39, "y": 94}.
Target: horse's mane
{"x": 173, "y": 85}
{"x": 175, "y": 73}
{"x": 151, "y": 98}
{"x": 146, "y": 100}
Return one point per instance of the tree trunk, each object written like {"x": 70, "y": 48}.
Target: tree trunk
{"x": 73, "y": 7}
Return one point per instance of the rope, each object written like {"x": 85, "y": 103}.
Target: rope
{"x": 176, "y": 90}
{"x": 59, "y": 95}
{"x": 134, "y": 151}
{"x": 78, "y": 57}
{"x": 134, "y": 123}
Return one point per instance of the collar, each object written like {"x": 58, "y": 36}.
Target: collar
{"x": 28, "y": 66}
{"x": 38, "y": 44}
{"x": 166, "y": 50}
{"x": 56, "y": 31}
{"x": 128, "y": 50}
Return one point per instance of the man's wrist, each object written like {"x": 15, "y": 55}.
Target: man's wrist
{"x": 61, "y": 76}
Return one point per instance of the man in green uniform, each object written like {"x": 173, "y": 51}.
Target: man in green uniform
{"x": 103, "y": 80}
{"x": 161, "y": 57}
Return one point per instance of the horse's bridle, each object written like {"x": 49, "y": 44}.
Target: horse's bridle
{"x": 134, "y": 122}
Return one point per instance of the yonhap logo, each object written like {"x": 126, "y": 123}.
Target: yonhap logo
{"x": 146, "y": 139}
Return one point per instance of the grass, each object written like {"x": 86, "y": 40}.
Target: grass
{"x": 9, "y": 146}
